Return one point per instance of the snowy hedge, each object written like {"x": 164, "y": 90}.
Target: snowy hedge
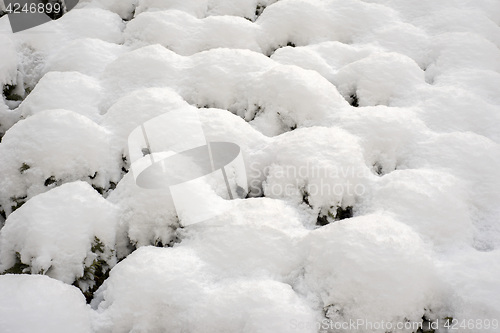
{"x": 370, "y": 137}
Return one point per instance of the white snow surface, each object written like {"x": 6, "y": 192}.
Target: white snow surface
{"x": 35, "y": 303}
{"x": 370, "y": 132}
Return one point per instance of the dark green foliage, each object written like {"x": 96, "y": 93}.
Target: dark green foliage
{"x": 97, "y": 246}
{"x": 259, "y": 9}
{"x": 377, "y": 167}
{"x": 9, "y": 93}
{"x": 340, "y": 214}
{"x": 50, "y": 181}
{"x": 24, "y": 167}
{"x": 18, "y": 268}
{"x": 95, "y": 274}
{"x": 19, "y": 201}
{"x": 353, "y": 100}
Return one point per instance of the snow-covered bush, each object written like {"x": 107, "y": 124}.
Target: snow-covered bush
{"x": 271, "y": 246}
{"x": 328, "y": 180}
{"x": 93, "y": 56}
{"x": 187, "y": 35}
{"x": 51, "y": 148}
{"x": 379, "y": 78}
{"x": 302, "y": 22}
{"x": 64, "y": 90}
{"x": 369, "y": 131}
{"x": 373, "y": 268}
{"x": 174, "y": 290}
{"x": 68, "y": 233}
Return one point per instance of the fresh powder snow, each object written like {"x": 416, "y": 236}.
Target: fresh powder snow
{"x": 370, "y": 134}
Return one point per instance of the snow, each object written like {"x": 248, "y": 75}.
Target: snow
{"x": 379, "y": 79}
{"x": 54, "y": 233}
{"x": 79, "y": 93}
{"x": 54, "y": 146}
{"x": 8, "y": 66}
{"x": 173, "y": 29}
{"x": 93, "y": 54}
{"x": 369, "y": 133}
{"x": 40, "y": 304}
{"x": 371, "y": 267}
{"x": 173, "y": 288}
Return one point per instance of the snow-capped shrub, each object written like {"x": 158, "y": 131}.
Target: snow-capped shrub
{"x": 147, "y": 217}
{"x": 433, "y": 203}
{"x": 68, "y": 233}
{"x": 479, "y": 82}
{"x": 325, "y": 58}
{"x": 310, "y": 99}
{"x": 271, "y": 239}
{"x": 372, "y": 268}
{"x": 88, "y": 56}
{"x": 41, "y": 304}
{"x": 475, "y": 272}
{"x": 64, "y": 90}
{"x": 186, "y": 35}
{"x": 403, "y": 38}
{"x": 454, "y": 51}
{"x": 212, "y": 78}
{"x": 134, "y": 109}
{"x": 237, "y": 80}
{"x": 51, "y": 148}
{"x": 304, "y": 22}
{"x": 92, "y": 23}
{"x": 472, "y": 159}
{"x": 379, "y": 79}
{"x": 173, "y": 290}
{"x": 462, "y": 20}
{"x": 330, "y": 174}
{"x": 388, "y": 135}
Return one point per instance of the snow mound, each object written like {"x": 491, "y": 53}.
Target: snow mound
{"x": 51, "y": 148}
{"x": 41, "y": 304}
{"x": 270, "y": 248}
{"x": 379, "y": 78}
{"x": 93, "y": 56}
{"x": 186, "y": 35}
{"x": 61, "y": 233}
{"x": 64, "y": 90}
{"x": 437, "y": 202}
{"x": 146, "y": 216}
{"x": 301, "y": 22}
{"x": 237, "y": 80}
{"x": 371, "y": 267}
{"x": 324, "y": 179}
{"x": 174, "y": 290}
{"x": 136, "y": 108}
